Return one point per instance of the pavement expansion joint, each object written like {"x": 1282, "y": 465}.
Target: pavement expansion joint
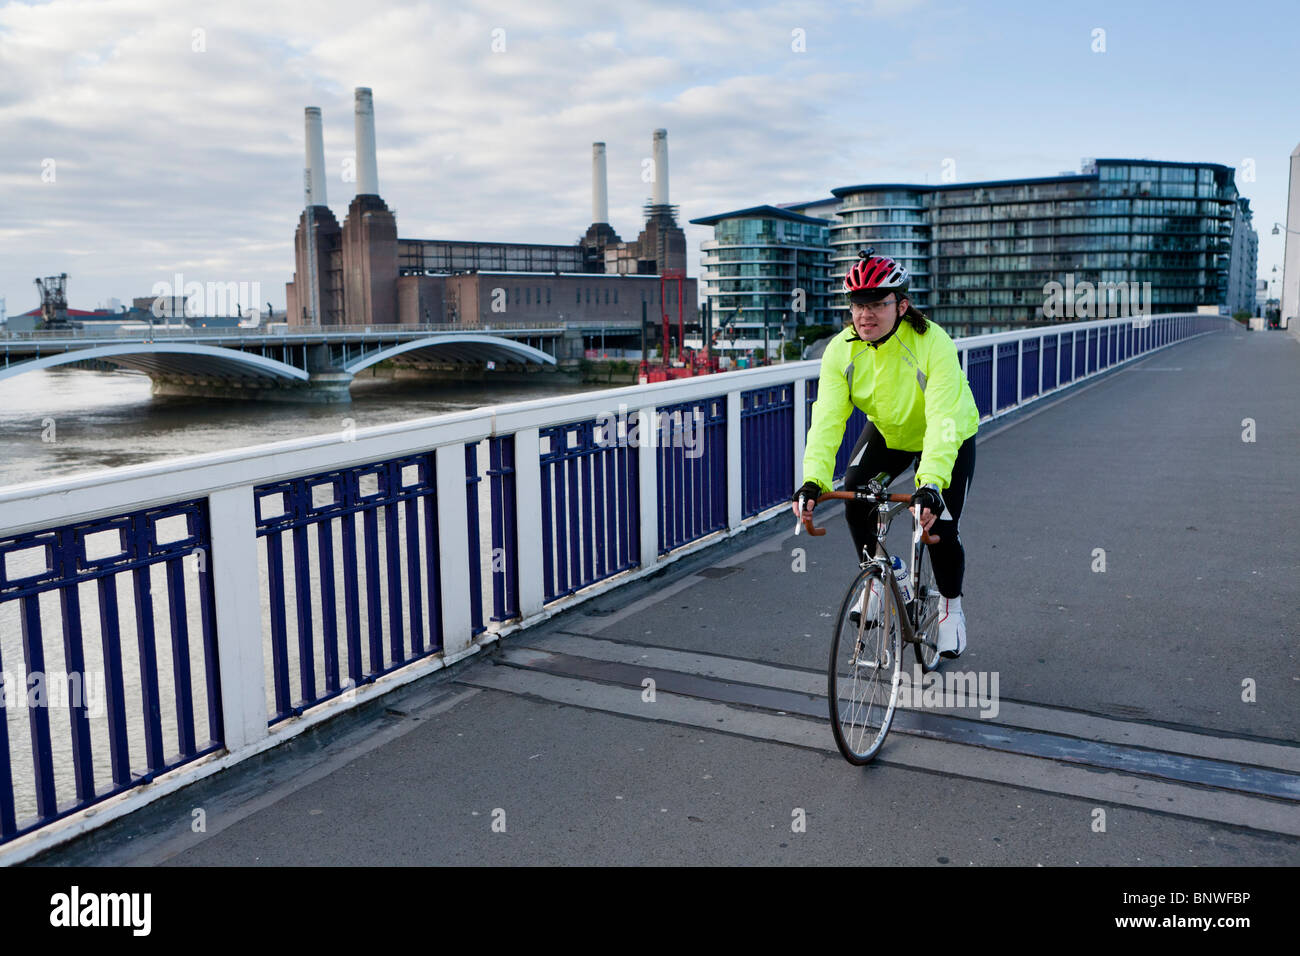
{"x": 783, "y": 704}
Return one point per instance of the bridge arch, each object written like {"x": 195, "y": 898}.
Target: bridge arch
{"x": 171, "y": 359}
{"x": 468, "y": 348}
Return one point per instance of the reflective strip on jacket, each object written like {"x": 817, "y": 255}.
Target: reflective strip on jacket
{"x": 911, "y": 387}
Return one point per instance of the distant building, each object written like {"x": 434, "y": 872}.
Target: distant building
{"x": 29, "y": 320}
{"x": 984, "y": 255}
{"x": 161, "y": 306}
{"x": 766, "y": 259}
{"x": 1244, "y": 263}
{"x": 367, "y": 275}
{"x": 992, "y": 248}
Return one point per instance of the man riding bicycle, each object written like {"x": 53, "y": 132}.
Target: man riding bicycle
{"x": 902, "y": 370}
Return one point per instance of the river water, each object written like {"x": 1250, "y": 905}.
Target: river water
{"x": 63, "y": 422}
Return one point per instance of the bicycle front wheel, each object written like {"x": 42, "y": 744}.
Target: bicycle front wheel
{"x": 865, "y": 668}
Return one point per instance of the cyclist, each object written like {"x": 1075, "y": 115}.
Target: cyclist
{"x": 902, "y": 370}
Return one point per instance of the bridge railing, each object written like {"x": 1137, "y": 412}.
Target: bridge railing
{"x": 161, "y": 621}
{"x": 164, "y": 330}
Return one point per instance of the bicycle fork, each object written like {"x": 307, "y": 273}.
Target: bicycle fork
{"x": 879, "y": 657}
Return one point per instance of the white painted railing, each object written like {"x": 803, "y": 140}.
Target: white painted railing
{"x": 226, "y": 481}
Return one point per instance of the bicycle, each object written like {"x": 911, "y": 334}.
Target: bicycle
{"x": 865, "y": 667}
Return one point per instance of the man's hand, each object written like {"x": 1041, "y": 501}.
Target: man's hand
{"x": 809, "y": 490}
{"x": 930, "y": 504}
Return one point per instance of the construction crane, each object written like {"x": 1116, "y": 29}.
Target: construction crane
{"x": 54, "y": 301}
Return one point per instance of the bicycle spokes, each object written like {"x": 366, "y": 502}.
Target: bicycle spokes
{"x": 863, "y": 685}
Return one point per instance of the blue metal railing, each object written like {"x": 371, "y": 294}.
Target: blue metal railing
{"x": 766, "y": 447}
{"x": 1051, "y": 369}
{"x": 1007, "y": 374}
{"x": 590, "y": 504}
{"x": 692, "y": 480}
{"x": 393, "y": 501}
{"x": 360, "y": 564}
{"x": 1029, "y": 365}
{"x": 64, "y": 769}
{"x": 979, "y": 372}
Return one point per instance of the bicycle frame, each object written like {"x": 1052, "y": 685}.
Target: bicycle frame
{"x": 887, "y": 508}
{"x": 885, "y": 515}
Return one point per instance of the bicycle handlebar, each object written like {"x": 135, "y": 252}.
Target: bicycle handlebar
{"x": 860, "y": 496}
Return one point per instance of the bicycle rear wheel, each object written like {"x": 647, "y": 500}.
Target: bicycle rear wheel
{"x": 925, "y": 608}
{"x": 864, "y": 671}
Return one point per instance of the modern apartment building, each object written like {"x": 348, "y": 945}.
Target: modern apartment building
{"x": 1244, "y": 263}
{"x": 767, "y": 258}
{"x": 1121, "y": 234}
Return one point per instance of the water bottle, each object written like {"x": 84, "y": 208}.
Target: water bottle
{"x": 900, "y": 574}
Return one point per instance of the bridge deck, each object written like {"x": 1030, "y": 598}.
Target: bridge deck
{"x": 1120, "y": 690}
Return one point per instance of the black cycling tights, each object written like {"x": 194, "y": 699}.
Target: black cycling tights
{"x": 870, "y": 457}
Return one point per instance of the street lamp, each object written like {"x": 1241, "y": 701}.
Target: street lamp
{"x": 1278, "y": 229}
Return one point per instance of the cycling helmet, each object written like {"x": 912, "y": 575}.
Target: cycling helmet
{"x": 873, "y": 277}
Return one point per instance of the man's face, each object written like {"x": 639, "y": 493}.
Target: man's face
{"x": 874, "y": 320}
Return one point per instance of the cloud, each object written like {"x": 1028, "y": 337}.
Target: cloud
{"x": 175, "y": 129}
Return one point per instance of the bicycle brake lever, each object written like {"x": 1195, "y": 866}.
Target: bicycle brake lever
{"x": 920, "y": 533}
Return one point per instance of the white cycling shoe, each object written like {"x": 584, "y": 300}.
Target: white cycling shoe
{"x": 952, "y": 628}
{"x": 873, "y": 605}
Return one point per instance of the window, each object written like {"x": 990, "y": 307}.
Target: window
{"x": 528, "y": 297}
{"x": 548, "y": 295}
{"x": 607, "y": 297}
{"x": 577, "y": 297}
{"x": 616, "y": 297}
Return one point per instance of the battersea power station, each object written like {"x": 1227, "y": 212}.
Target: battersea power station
{"x": 365, "y": 274}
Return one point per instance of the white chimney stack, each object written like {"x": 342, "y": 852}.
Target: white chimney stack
{"x": 599, "y": 187}
{"x": 367, "y": 167}
{"x": 315, "y": 159}
{"x": 661, "y": 167}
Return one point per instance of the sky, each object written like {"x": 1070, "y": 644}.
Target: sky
{"x": 141, "y": 139}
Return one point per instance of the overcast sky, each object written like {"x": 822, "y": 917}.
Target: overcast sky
{"x": 144, "y": 138}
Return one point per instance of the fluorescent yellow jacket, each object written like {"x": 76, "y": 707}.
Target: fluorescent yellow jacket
{"x": 912, "y": 389}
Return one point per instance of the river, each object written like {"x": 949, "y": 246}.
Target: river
{"x": 62, "y": 422}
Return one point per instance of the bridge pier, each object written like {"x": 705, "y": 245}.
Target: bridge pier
{"x": 433, "y": 374}
{"x": 321, "y": 387}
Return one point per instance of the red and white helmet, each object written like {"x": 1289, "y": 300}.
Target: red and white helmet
{"x": 872, "y": 273}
